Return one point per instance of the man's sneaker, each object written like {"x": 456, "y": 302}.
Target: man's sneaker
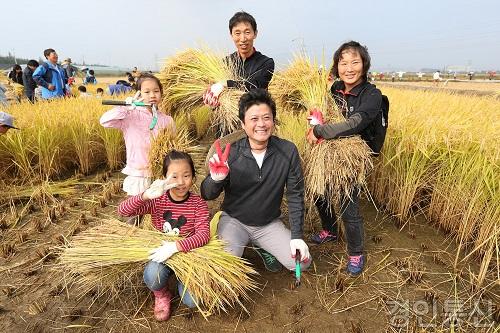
{"x": 355, "y": 265}
{"x": 270, "y": 262}
{"x": 323, "y": 237}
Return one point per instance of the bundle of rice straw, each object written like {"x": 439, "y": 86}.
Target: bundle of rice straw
{"x": 333, "y": 167}
{"x": 168, "y": 140}
{"x": 301, "y": 86}
{"x": 109, "y": 254}
{"x": 187, "y": 75}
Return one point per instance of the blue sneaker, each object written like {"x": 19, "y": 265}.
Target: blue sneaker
{"x": 270, "y": 262}
{"x": 323, "y": 236}
{"x": 355, "y": 265}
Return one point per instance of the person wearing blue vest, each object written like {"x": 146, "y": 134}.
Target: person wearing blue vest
{"x": 51, "y": 76}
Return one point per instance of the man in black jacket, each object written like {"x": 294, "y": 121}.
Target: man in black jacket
{"x": 253, "y": 172}
{"x": 28, "y": 82}
{"x": 253, "y": 67}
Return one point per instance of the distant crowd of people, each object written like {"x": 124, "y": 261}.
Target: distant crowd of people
{"x": 52, "y": 80}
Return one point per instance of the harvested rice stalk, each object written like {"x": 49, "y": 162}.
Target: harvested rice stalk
{"x": 110, "y": 254}
{"x": 292, "y": 127}
{"x": 187, "y": 76}
{"x": 201, "y": 119}
{"x": 167, "y": 140}
{"x": 334, "y": 167}
{"x": 301, "y": 86}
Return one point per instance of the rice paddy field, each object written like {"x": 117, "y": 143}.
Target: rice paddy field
{"x": 431, "y": 209}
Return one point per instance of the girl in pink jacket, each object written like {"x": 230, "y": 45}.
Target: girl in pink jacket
{"x": 139, "y": 125}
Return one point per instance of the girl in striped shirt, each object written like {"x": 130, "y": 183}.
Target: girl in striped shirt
{"x": 176, "y": 211}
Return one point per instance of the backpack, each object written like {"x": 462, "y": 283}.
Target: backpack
{"x": 380, "y": 128}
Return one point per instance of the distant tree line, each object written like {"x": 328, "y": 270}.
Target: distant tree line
{"x": 10, "y": 59}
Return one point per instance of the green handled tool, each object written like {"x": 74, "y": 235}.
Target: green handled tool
{"x": 154, "y": 121}
{"x": 297, "y": 268}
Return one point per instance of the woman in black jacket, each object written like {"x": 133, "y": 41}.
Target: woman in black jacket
{"x": 361, "y": 105}
{"x": 16, "y": 75}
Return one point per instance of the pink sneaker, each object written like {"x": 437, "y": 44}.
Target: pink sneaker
{"x": 162, "y": 304}
{"x": 323, "y": 237}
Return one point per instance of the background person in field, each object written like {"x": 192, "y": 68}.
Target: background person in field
{"x": 176, "y": 211}
{"x": 69, "y": 68}
{"x": 6, "y": 122}
{"x": 255, "y": 68}
{"x": 16, "y": 74}
{"x": 360, "y": 102}
{"x": 50, "y": 76}
{"x": 139, "y": 125}
{"x": 436, "y": 77}
{"x": 90, "y": 77}
{"x": 82, "y": 90}
{"x": 253, "y": 173}
{"x": 99, "y": 92}
{"x": 28, "y": 82}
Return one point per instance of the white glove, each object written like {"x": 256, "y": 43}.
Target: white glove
{"x": 299, "y": 244}
{"x": 158, "y": 188}
{"x": 217, "y": 88}
{"x": 164, "y": 252}
{"x": 211, "y": 96}
{"x": 131, "y": 100}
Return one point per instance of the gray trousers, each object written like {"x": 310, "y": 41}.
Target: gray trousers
{"x": 273, "y": 237}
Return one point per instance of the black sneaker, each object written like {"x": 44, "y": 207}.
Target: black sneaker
{"x": 270, "y": 262}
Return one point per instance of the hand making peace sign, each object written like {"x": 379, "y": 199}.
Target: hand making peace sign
{"x": 217, "y": 164}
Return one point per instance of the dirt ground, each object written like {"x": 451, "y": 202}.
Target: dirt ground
{"x": 410, "y": 265}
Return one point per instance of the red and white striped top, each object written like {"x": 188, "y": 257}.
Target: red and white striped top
{"x": 196, "y": 230}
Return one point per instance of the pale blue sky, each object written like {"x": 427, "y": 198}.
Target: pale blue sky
{"x": 400, "y": 35}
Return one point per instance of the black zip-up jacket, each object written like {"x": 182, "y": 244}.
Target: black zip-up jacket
{"x": 361, "y": 107}
{"x": 29, "y": 83}
{"x": 253, "y": 195}
{"x": 17, "y": 77}
{"x": 257, "y": 71}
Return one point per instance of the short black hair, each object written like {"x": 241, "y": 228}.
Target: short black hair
{"x": 99, "y": 90}
{"x": 91, "y": 72}
{"x": 33, "y": 63}
{"x": 16, "y": 67}
{"x": 82, "y": 89}
{"x": 148, "y": 76}
{"x": 256, "y": 97}
{"x": 47, "y": 52}
{"x": 242, "y": 17}
{"x": 176, "y": 155}
{"x": 354, "y": 46}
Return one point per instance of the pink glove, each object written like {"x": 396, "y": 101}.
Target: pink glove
{"x": 315, "y": 117}
{"x": 218, "y": 163}
{"x": 211, "y": 96}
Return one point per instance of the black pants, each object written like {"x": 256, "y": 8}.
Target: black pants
{"x": 353, "y": 222}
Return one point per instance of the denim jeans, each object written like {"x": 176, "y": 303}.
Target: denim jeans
{"x": 156, "y": 278}
{"x": 353, "y": 222}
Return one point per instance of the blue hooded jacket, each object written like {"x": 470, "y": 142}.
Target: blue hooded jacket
{"x": 47, "y": 74}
